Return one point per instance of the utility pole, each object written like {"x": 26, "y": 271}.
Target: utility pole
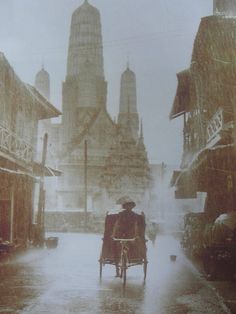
{"x": 41, "y": 203}
{"x": 85, "y": 184}
{"x": 163, "y": 168}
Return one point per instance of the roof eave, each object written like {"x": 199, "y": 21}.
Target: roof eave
{"x": 47, "y": 109}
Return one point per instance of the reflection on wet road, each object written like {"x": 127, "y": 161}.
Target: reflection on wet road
{"x": 66, "y": 280}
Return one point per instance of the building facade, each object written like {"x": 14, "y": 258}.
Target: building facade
{"x": 224, "y": 7}
{"x": 205, "y": 98}
{"x": 21, "y": 108}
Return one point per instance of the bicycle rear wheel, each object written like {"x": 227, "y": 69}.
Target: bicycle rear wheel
{"x": 100, "y": 269}
{"x": 124, "y": 268}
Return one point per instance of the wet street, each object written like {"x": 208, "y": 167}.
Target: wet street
{"x": 66, "y": 280}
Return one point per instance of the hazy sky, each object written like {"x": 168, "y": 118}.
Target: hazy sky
{"x": 156, "y": 35}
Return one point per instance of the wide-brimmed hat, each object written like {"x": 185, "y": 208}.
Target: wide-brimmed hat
{"x": 125, "y": 200}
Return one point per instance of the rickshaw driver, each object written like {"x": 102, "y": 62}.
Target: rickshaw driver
{"x": 126, "y": 225}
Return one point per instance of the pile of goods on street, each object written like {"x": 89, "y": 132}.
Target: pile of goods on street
{"x": 214, "y": 242}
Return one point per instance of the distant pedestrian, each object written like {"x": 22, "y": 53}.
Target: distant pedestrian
{"x": 152, "y": 232}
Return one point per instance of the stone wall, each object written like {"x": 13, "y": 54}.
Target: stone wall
{"x": 73, "y": 221}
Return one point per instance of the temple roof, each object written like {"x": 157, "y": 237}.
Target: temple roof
{"x": 91, "y": 116}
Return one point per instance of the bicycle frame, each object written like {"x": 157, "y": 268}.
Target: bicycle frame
{"x": 124, "y": 257}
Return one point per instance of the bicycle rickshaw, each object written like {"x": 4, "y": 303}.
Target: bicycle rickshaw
{"x": 123, "y": 253}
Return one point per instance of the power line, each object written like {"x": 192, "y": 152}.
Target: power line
{"x": 119, "y": 42}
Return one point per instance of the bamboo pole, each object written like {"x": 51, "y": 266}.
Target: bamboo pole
{"x": 12, "y": 214}
{"x": 85, "y": 184}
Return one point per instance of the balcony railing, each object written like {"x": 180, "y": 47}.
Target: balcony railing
{"x": 221, "y": 120}
{"x": 215, "y": 125}
{"x": 218, "y": 128}
{"x": 15, "y": 146}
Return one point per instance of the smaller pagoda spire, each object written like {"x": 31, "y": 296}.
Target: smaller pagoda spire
{"x": 140, "y": 144}
{"x": 128, "y": 123}
{"x": 42, "y": 82}
{"x": 42, "y": 64}
{"x": 141, "y": 129}
{"x": 127, "y": 64}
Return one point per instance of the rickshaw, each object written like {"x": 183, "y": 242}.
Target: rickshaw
{"x": 123, "y": 253}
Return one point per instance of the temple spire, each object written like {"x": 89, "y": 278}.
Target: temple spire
{"x": 42, "y": 82}
{"x": 141, "y": 129}
{"x": 42, "y": 64}
{"x": 127, "y": 64}
{"x": 85, "y": 33}
{"x": 86, "y": 64}
{"x": 141, "y": 146}
{"x": 128, "y": 124}
{"x": 128, "y": 102}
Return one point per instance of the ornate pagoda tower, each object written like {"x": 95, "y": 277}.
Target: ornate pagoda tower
{"x": 127, "y": 170}
{"x": 42, "y": 83}
{"x": 87, "y": 128}
{"x": 85, "y": 88}
{"x": 128, "y": 102}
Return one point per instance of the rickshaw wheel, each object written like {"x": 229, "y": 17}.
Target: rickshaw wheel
{"x": 145, "y": 268}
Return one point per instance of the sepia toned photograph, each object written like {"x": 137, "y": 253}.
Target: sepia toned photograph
{"x": 117, "y": 167}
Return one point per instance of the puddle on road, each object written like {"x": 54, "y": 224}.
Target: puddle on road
{"x": 67, "y": 281}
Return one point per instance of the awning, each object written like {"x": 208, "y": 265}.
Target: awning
{"x": 182, "y": 193}
{"x": 218, "y": 158}
{"x": 47, "y": 172}
{"x": 182, "y": 98}
{"x": 17, "y": 172}
{"x": 185, "y": 184}
{"x": 37, "y": 171}
{"x": 209, "y": 165}
{"x": 174, "y": 177}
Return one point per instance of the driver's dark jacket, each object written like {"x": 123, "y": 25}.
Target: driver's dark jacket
{"x": 126, "y": 226}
